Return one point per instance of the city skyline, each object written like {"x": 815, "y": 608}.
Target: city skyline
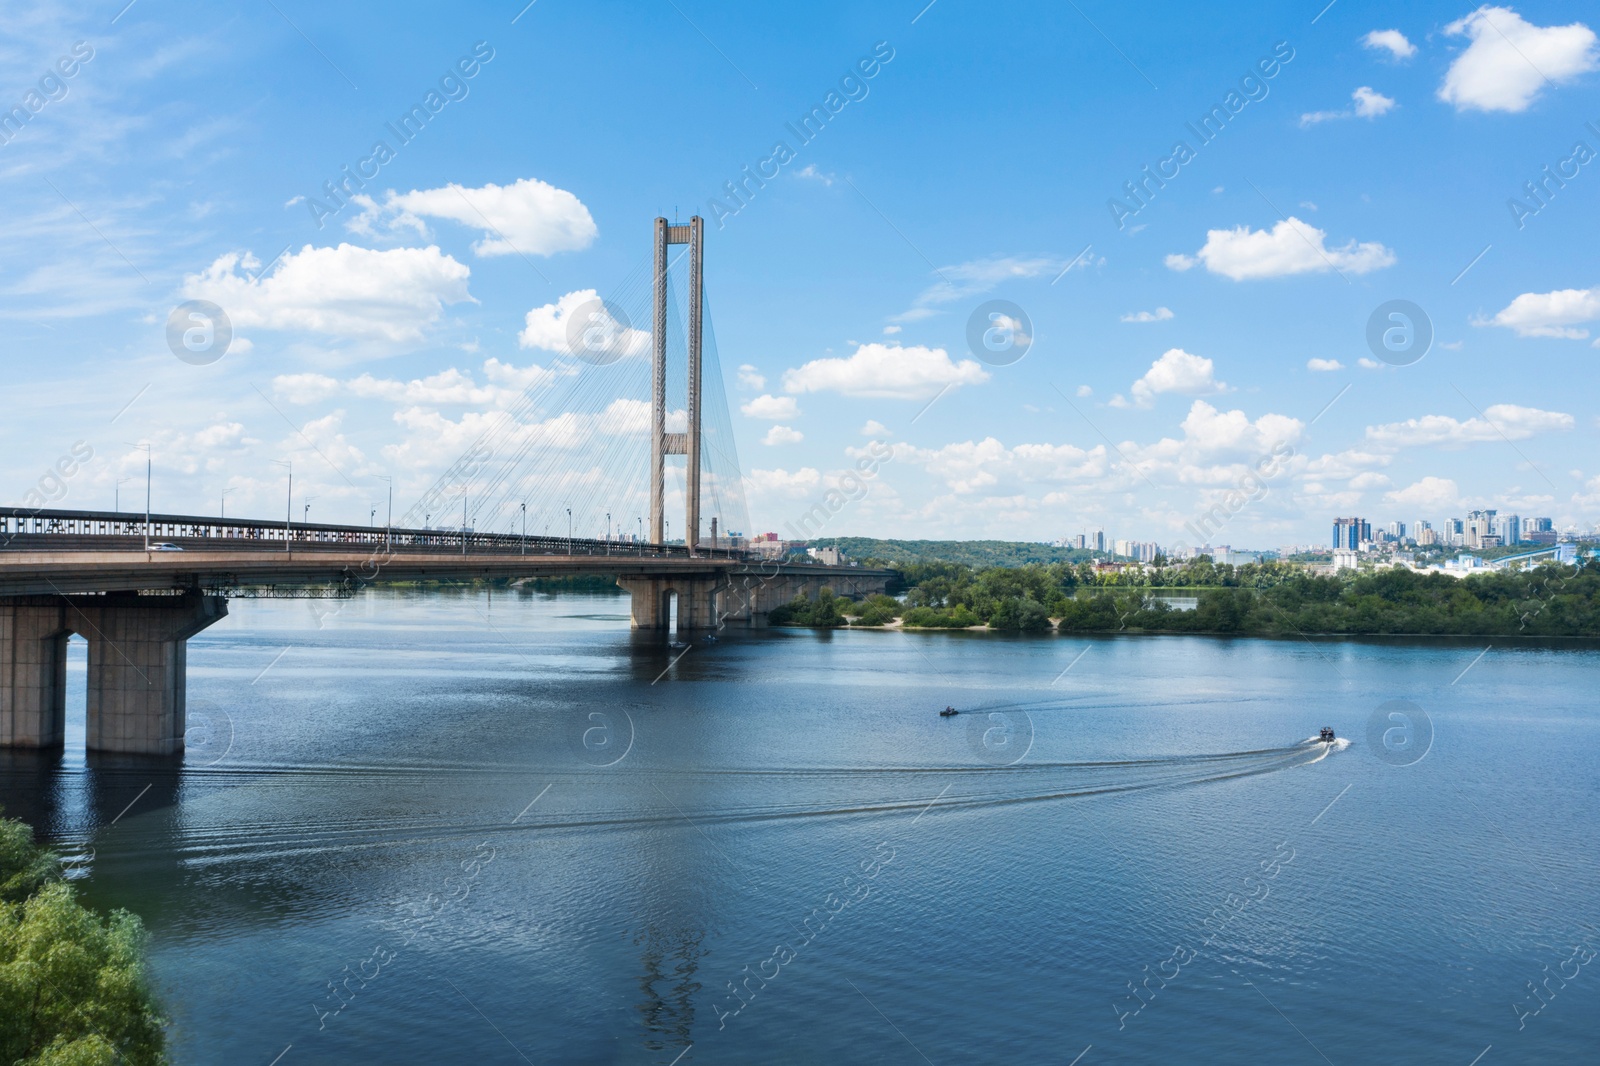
{"x": 1316, "y": 266}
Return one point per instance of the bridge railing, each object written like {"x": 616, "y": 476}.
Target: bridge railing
{"x": 23, "y": 527}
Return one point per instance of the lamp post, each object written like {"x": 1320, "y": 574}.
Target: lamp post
{"x": 222, "y": 504}
{"x": 569, "y": 531}
{"x": 608, "y": 532}
{"x": 288, "y": 505}
{"x": 372, "y": 518}
{"x": 148, "y": 459}
{"x": 640, "y": 539}
{"x": 388, "y": 525}
{"x": 463, "y": 521}
{"x": 116, "y": 497}
{"x": 524, "y": 527}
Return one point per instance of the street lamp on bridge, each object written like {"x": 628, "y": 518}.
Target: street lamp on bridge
{"x": 148, "y": 459}
{"x": 116, "y": 494}
{"x": 608, "y": 532}
{"x": 569, "y": 531}
{"x": 288, "y": 505}
{"x": 222, "y": 504}
{"x": 388, "y": 525}
{"x": 524, "y": 527}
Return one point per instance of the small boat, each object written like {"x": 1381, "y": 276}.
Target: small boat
{"x": 1326, "y": 734}
{"x": 948, "y": 712}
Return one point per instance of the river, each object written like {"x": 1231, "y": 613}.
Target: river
{"x": 426, "y": 827}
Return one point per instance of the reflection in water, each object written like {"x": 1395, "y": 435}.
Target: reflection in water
{"x": 670, "y": 960}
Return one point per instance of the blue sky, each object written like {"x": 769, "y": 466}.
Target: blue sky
{"x": 1181, "y": 353}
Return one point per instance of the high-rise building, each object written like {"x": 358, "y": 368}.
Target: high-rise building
{"x": 1079, "y": 541}
{"x": 1397, "y": 530}
{"x": 1480, "y": 524}
{"x": 1508, "y": 527}
{"x": 1350, "y": 533}
{"x": 1097, "y": 540}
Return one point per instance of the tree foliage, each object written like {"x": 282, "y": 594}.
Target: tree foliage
{"x": 72, "y": 984}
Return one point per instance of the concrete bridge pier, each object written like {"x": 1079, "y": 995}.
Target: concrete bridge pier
{"x": 137, "y": 666}
{"x": 751, "y": 596}
{"x": 696, "y": 596}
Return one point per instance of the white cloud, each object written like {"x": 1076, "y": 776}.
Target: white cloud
{"x": 1371, "y": 104}
{"x": 1503, "y": 421}
{"x": 1324, "y": 364}
{"x": 811, "y": 173}
{"x": 1551, "y": 314}
{"x": 451, "y": 386}
{"x": 1160, "y": 314}
{"x": 783, "y": 435}
{"x": 1368, "y": 104}
{"x": 347, "y": 291}
{"x": 885, "y": 370}
{"x": 305, "y": 388}
{"x": 874, "y": 428}
{"x": 1290, "y": 247}
{"x": 772, "y": 408}
{"x": 1392, "y": 41}
{"x": 750, "y": 378}
{"x": 528, "y": 217}
{"x": 1509, "y": 60}
{"x": 889, "y": 331}
{"x": 1177, "y": 371}
{"x": 1084, "y": 390}
{"x": 594, "y": 332}
{"x": 990, "y": 467}
{"x": 1180, "y": 262}
{"x": 1369, "y": 364}
{"x": 1431, "y": 494}
{"x": 784, "y": 482}
{"x": 980, "y": 276}
{"x": 1345, "y": 465}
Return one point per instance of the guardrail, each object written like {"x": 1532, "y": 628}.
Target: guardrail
{"x": 24, "y": 527}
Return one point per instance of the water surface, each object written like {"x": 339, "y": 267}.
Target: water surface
{"x": 427, "y": 828}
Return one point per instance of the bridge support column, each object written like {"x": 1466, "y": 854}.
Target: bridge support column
{"x": 696, "y": 596}
{"x": 137, "y": 665}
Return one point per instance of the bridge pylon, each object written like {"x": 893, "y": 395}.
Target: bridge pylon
{"x": 662, "y": 443}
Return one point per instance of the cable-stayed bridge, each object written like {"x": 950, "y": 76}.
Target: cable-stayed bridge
{"x": 596, "y": 438}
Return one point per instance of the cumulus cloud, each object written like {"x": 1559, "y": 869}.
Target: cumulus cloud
{"x": 874, "y": 428}
{"x": 1160, "y": 314}
{"x": 750, "y": 378}
{"x": 1392, "y": 41}
{"x": 527, "y": 217}
{"x": 348, "y": 291}
{"x": 987, "y": 466}
{"x": 772, "y": 408}
{"x": 1551, "y": 314}
{"x": 1503, "y": 421}
{"x": 593, "y": 332}
{"x": 784, "y": 482}
{"x": 1368, "y": 103}
{"x": 1324, "y": 364}
{"x": 448, "y": 387}
{"x": 1429, "y": 494}
{"x": 1290, "y": 247}
{"x": 1175, "y": 371}
{"x": 885, "y": 370}
{"x": 1509, "y": 60}
{"x": 783, "y": 435}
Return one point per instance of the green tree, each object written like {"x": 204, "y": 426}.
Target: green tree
{"x": 72, "y": 984}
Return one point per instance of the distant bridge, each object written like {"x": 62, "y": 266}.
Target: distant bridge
{"x": 137, "y": 587}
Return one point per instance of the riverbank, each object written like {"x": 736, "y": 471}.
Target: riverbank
{"x": 1550, "y": 601}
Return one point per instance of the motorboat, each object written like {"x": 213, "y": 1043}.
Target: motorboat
{"x": 948, "y": 712}
{"x": 1326, "y": 734}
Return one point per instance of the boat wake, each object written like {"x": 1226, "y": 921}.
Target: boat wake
{"x": 638, "y": 798}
